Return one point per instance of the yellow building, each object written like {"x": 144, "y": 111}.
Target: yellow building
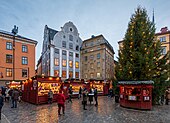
{"x": 97, "y": 59}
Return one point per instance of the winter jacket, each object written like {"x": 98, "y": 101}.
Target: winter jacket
{"x": 1, "y": 101}
{"x": 60, "y": 98}
{"x": 15, "y": 95}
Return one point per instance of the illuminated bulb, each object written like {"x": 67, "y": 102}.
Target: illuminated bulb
{"x": 130, "y": 72}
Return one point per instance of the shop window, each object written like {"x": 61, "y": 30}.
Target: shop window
{"x": 64, "y": 63}
{"x": 64, "y": 44}
{"x": 64, "y": 52}
{"x": 71, "y": 54}
{"x": 24, "y": 48}
{"x": 71, "y": 64}
{"x": 24, "y": 73}
{"x": 9, "y": 72}
{"x": 56, "y": 61}
{"x": 56, "y": 73}
{"x": 24, "y": 60}
{"x": 77, "y": 55}
{"x": 71, "y": 45}
{"x": 8, "y": 45}
{"x": 64, "y": 74}
{"x": 98, "y": 75}
{"x": 77, "y": 74}
{"x": 70, "y": 74}
{"x": 8, "y": 58}
{"x": 77, "y": 64}
{"x": 70, "y": 37}
{"x": 56, "y": 51}
{"x": 163, "y": 39}
{"x": 163, "y": 51}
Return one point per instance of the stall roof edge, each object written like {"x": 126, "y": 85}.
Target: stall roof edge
{"x": 135, "y": 82}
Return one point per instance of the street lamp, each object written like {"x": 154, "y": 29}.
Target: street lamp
{"x": 14, "y": 31}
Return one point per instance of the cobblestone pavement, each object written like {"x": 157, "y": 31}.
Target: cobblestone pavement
{"x": 106, "y": 112}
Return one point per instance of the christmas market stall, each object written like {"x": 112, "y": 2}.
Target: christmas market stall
{"x": 101, "y": 85}
{"x": 136, "y": 94}
{"x": 15, "y": 84}
{"x": 75, "y": 84}
{"x": 35, "y": 90}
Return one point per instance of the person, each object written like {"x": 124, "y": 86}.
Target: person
{"x": 91, "y": 94}
{"x": 70, "y": 92}
{"x": 15, "y": 95}
{"x": 1, "y": 102}
{"x": 80, "y": 92}
{"x": 61, "y": 100}
{"x": 50, "y": 96}
{"x": 7, "y": 94}
{"x": 167, "y": 96}
{"x": 96, "y": 96}
{"x": 85, "y": 93}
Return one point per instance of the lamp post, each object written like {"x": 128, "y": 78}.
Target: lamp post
{"x": 14, "y": 31}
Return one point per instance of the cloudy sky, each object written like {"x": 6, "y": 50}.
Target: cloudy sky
{"x": 91, "y": 17}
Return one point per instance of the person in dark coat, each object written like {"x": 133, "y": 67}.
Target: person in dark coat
{"x": 85, "y": 94}
{"x": 15, "y": 95}
{"x": 70, "y": 92}
{"x": 96, "y": 96}
{"x": 80, "y": 92}
{"x": 61, "y": 100}
{"x": 91, "y": 94}
{"x": 1, "y": 102}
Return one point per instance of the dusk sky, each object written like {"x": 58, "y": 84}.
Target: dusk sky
{"x": 91, "y": 17}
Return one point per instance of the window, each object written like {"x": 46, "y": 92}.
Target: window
{"x": 77, "y": 55}
{"x": 64, "y": 36}
{"x": 64, "y": 63}
{"x": 77, "y": 40}
{"x": 24, "y": 48}
{"x": 8, "y": 45}
{"x": 91, "y": 43}
{"x": 98, "y": 64}
{"x": 24, "y": 60}
{"x": 77, "y": 64}
{"x": 8, "y": 58}
{"x": 163, "y": 39}
{"x": 163, "y": 52}
{"x": 70, "y": 74}
{"x": 85, "y": 58}
{"x": 91, "y": 65}
{"x": 71, "y": 64}
{"x": 56, "y": 73}
{"x": 64, "y": 52}
{"x": 64, "y": 74}
{"x": 64, "y": 44}
{"x": 77, "y": 74}
{"x": 77, "y": 48}
{"x": 24, "y": 73}
{"x": 56, "y": 61}
{"x": 91, "y": 56}
{"x": 71, "y": 54}
{"x": 98, "y": 56}
{"x": 70, "y": 37}
{"x": 70, "y": 45}
{"x": 98, "y": 75}
{"x": 56, "y": 51}
{"x": 71, "y": 29}
{"x": 91, "y": 75}
{"x": 9, "y": 72}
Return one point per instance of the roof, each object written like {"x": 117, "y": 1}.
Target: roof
{"x": 18, "y": 36}
{"x": 135, "y": 82}
{"x": 52, "y": 32}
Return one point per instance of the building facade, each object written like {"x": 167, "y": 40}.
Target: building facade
{"x": 97, "y": 59}
{"x": 17, "y": 55}
{"x": 61, "y": 52}
{"x": 164, "y": 37}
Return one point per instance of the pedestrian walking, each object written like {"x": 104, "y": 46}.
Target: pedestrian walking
{"x": 80, "y": 92}
{"x": 85, "y": 94}
{"x": 1, "y": 102}
{"x": 167, "y": 96}
{"x": 15, "y": 95}
{"x": 96, "y": 96}
{"x": 50, "y": 96}
{"x": 61, "y": 102}
{"x": 70, "y": 92}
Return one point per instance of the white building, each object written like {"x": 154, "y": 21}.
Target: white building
{"x": 61, "y": 52}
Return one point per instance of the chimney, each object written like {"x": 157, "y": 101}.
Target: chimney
{"x": 164, "y": 29}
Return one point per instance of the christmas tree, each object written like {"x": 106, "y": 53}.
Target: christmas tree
{"x": 139, "y": 58}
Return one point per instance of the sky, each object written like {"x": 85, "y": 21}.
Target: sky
{"x": 91, "y": 17}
